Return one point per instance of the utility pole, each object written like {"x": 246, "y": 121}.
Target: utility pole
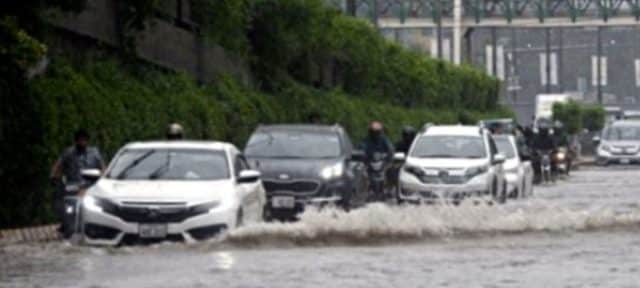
{"x": 457, "y": 32}
{"x": 494, "y": 51}
{"x": 547, "y": 34}
{"x": 599, "y": 64}
{"x": 374, "y": 17}
{"x": 351, "y": 7}
{"x": 439, "y": 26}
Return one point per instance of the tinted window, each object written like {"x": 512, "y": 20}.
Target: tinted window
{"x": 170, "y": 164}
{"x": 622, "y": 133}
{"x": 282, "y": 144}
{"x": 441, "y": 146}
{"x": 505, "y": 147}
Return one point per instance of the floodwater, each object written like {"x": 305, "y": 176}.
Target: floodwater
{"x": 582, "y": 232}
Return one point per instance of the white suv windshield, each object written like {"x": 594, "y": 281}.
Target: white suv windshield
{"x": 622, "y": 133}
{"x": 505, "y": 147}
{"x": 170, "y": 164}
{"x": 444, "y": 146}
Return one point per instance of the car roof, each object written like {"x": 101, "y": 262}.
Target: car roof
{"x": 454, "y": 130}
{"x": 301, "y": 128}
{"x": 187, "y": 144}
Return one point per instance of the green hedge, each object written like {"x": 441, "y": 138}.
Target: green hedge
{"x": 301, "y": 39}
{"x": 120, "y": 104}
{"x": 575, "y": 116}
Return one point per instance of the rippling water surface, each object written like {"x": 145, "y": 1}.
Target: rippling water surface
{"x": 583, "y": 232}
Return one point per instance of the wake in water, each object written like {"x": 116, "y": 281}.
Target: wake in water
{"x": 382, "y": 223}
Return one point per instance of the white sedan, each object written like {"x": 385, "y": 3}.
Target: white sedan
{"x": 175, "y": 190}
{"x": 518, "y": 172}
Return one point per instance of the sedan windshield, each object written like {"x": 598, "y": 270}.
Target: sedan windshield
{"x": 283, "y": 144}
{"x": 444, "y": 146}
{"x": 622, "y": 133}
{"x": 170, "y": 164}
{"x": 505, "y": 147}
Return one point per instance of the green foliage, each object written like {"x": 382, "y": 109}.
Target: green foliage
{"x": 224, "y": 22}
{"x": 593, "y": 117}
{"x": 302, "y": 39}
{"x": 17, "y": 48}
{"x": 570, "y": 114}
{"x": 576, "y": 116}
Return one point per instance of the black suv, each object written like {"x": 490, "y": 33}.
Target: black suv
{"x": 307, "y": 164}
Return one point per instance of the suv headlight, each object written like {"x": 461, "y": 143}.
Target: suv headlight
{"x": 413, "y": 170}
{"x": 332, "y": 172}
{"x": 475, "y": 171}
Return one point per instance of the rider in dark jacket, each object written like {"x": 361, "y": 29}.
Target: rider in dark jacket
{"x": 377, "y": 142}
{"x": 408, "y": 134}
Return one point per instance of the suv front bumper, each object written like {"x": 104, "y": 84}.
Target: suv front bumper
{"x": 413, "y": 190}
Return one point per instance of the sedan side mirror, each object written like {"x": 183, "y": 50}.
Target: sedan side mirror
{"x": 358, "y": 156}
{"x": 499, "y": 159}
{"x": 399, "y": 157}
{"x": 91, "y": 175}
{"x": 248, "y": 176}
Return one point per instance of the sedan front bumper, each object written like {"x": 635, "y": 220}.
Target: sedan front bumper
{"x": 100, "y": 228}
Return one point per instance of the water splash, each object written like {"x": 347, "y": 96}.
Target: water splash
{"x": 382, "y": 223}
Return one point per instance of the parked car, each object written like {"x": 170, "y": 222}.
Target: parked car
{"x": 619, "y": 143}
{"x": 451, "y": 163}
{"x": 307, "y": 165}
{"x": 172, "y": 190}
{"x": 518, "y": 171}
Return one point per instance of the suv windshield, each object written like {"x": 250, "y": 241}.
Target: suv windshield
{"x": 622, "y": 133}
{"x": 283, "y": 144}
{"x": 505, "y": 147}
{"x": 170, "y": 164}
{"x": 444, "y": 146}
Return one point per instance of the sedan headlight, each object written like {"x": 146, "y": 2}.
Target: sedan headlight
{"x": 605, "y": 147}
{"x": 331, "y": 172}
{"x": 475, "y": 171}
{"x": 91, "y": 203}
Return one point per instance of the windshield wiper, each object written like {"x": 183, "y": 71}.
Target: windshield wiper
{"x": 134, "y": 163}
{"x": 162, "y": 169}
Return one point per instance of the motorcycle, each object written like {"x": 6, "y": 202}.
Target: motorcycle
{"x": 562, "y": 161}
{"x": 545, "y": 170}
{"x": 377, "y": 168}
{"x": 69, "y": 211}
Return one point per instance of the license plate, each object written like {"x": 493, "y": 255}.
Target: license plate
{"x": 283, "y": 202}
{"x": 625, "y": 161}
{"x": 152, "y": 230}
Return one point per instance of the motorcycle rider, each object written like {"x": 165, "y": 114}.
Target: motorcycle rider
{"x": 68, "y": 168}
{"x": 175, "y": 132}
{"x": 408, "y": 135}
{"x": 377, "y": 143}
{"x": 543, "y": 141}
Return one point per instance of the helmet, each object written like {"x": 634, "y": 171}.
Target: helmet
{"x": 175, "y": 131}
{"x": 408, "y": 132}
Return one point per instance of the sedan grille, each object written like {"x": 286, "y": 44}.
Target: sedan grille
{"x": 302, "y": 187}
{"x": 158, "y": 213}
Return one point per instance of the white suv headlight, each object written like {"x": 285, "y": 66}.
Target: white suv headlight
{"x": 333, "y": 171}
{"x": 475, "y": 171}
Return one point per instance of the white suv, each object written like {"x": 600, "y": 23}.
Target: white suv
{"x": 451, "y": 163}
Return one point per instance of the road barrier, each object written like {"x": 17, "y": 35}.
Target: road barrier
{"x": 30, "y": 234}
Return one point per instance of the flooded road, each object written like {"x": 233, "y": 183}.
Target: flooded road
{"x": 583, "y": 232}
